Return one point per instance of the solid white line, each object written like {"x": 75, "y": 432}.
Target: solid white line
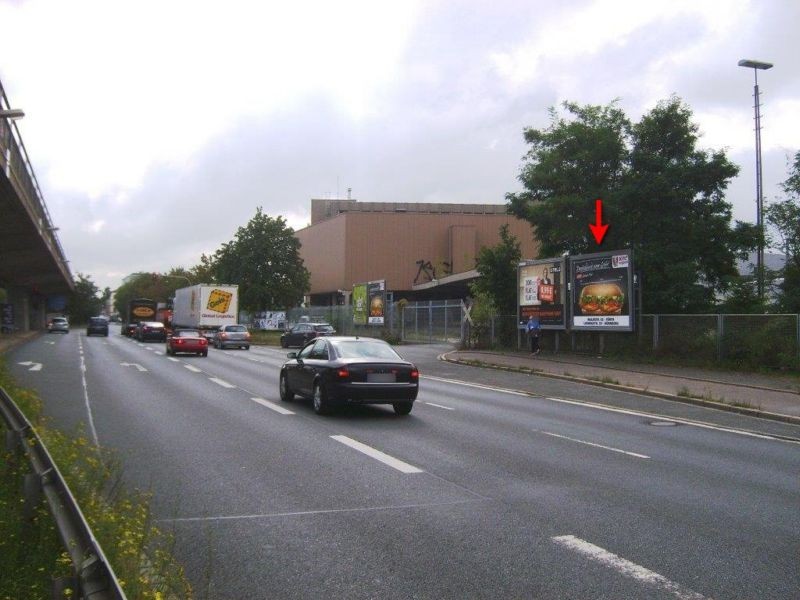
{"x": 221, "y": 382}
{"x": 563, "y": 437}
{"x": 86, "y": 395}
{"x": 192, "y": 368}
{"x": 626, "y": 567}
{"x": 623, "y": 411}
{"x": 439, "y": 406}
{"x": 377, "y": 455}
{"x": 275, "y": 407}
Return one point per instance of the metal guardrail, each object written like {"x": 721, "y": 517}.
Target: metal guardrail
{"x": 94, "y": 577}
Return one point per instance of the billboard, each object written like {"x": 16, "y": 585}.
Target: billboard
{"x": 376, "y": 292}
{"x": 360, "y": 304}
{"x": 542, "y": 292}
{"x": 601, "y": 287}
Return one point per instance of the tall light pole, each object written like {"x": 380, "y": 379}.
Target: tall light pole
{"x": 756, "y": 65}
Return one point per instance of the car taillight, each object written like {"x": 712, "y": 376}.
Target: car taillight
{"x": 223, "y": 335}
{"x": 203, "y": 341}
{"x": 343, "y": 373}
{"x": 414, "y": 374}
{"x": 180, "y": 342}
{"x": 247, "y": 336}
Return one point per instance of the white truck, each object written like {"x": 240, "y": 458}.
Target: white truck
{"x": 206, "y": 307}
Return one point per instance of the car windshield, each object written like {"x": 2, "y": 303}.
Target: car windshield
{"x": 365, "y": 349}
{"x": 187, "y": 333}
{"x": 236, "y": 328}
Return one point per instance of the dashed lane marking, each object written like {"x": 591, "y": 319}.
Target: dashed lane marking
{"x": 276, "y": 407}
{"x": 220, "y": 382}
{"x": 377, "y": 455}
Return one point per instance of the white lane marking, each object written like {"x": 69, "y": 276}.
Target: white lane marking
{"x": 623, "y": 411}
{"x": 626, "y": 567}
{"x": 192, "y": 368}
{"x": 149, "y": 348}
{"x": 142, "y": 346}
{"x": 159, "y": 352}
{"x": 86, "y": 395}
{"x": 173, "y": 359}
{"x": 271, "y": 405}
{"x": 439, "y": 406}
{"x": 139, "y": 367}
{"x": 564, "y": 437}
{"x": 377, "y": 455}
{"x": 221, "y": 382}
{"x": 34, "y": 366}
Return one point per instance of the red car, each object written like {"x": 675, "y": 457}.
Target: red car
{"x": 187, "y": 341}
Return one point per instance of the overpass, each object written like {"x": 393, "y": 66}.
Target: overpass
{"x": 34, "y": 276}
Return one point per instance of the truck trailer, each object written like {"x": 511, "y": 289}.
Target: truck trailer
{"x": 205, "y": 307}
{"x": 139, "y": 309}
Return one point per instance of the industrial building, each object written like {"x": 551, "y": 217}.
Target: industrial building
{"x": 423, "y": 251}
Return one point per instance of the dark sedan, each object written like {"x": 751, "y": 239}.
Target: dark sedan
{"x": 97, "y": 326}
{"x": 350, "y": 370}
{"x": 151, "y": 331}
{"x": 188, "y": 341}
{"x": 302, "y": 333}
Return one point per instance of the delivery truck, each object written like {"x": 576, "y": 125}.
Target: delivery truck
{"x": 139, "y": 309}
{"x": 205, "y": 307}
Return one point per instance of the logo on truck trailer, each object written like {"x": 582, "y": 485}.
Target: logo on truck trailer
{"x": 143, "y": 311}
{"x": 219, "y": 301}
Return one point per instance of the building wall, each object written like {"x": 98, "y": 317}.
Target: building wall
{"x": 355, "y": 247}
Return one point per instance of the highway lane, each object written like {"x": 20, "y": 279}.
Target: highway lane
{"x": 508, "y": 494}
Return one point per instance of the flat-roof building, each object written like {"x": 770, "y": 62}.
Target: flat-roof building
{"x": 423, "y": 251}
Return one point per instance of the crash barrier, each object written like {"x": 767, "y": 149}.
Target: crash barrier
{"x": 94, "y": 578}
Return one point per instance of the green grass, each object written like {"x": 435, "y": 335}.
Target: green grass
{"x": 30, "y": 552}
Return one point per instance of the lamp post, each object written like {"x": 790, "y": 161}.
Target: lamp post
{"x": 12, "y": 113}
{"x": 756, "y": 65}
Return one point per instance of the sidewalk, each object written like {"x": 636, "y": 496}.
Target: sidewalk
{"x": 9, "y": 340}
{"x": 773, "y": 397}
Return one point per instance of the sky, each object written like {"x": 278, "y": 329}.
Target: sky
{"x": 155, "y": 128}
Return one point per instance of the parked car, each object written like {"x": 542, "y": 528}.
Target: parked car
{"x": 58, "y": 324}
{"x": 151, "y": 331}
{"x": 336, "y": 370}
{"x": 97, "y": 325}
{"x": 129, "y": 329}
{"x": 188, "y": 341}
{"x": 232, "y": 336}
{"x": 302, "y": 333}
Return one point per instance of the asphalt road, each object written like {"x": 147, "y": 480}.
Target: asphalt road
{"x": 479, "y": 493}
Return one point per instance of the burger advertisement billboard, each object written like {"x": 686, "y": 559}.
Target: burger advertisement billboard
{"x": 602, "y": 291}
{"x": 542, "y": 289}
{"x": 376, "y": 293}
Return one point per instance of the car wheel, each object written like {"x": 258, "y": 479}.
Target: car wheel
{"x": 403, "y": 408}
{"x": 246, "y": 347}
{"x": 284, "y": 344}
{"x": 287, "y": 395}
{"x": 320, "y": 399}
{"x": 205, "y": 353}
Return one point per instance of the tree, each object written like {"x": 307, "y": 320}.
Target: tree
{"x": 498, "y": 273}
{"x": 662, "y": 196}
{"x": 264, "y": 260}
{"x": 84, "y": 302}
{"x": 784, "y": 216}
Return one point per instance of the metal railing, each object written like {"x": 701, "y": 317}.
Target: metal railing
{"x": 94, "y": 577}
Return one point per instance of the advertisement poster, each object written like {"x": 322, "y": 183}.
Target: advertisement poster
{"x": 542, "y": 289}
{"x": 376, "y": 290}
{"x": 7, "y": 317}
{"x": 360, "y": 304}
{"x": 602, "y": 291}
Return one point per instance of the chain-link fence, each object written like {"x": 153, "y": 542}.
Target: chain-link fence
{"x": 753, "y": 340}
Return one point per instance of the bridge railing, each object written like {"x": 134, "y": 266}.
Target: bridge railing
{"x": 17, "y": 167}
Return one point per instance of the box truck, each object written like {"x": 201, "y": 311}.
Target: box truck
{"x": 205, "y": 307}
{"x": 139, "y": 309}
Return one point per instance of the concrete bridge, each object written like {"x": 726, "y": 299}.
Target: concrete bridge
{"x": 34, "y": 275}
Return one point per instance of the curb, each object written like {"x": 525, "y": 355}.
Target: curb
{"x": 750, "y": 412}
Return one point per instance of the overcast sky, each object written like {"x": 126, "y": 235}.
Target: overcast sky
{"x": 156, "y": 128}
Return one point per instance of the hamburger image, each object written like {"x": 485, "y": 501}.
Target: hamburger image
{"x": 602, "y": 298}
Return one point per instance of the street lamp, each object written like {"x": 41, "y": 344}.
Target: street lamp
{"x": 756, "y": 65}
{"x": 12, "y": 113}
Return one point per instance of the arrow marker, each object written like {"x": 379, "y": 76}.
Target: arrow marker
{"x": 34, "y": 366}
{"x": 598, "y": 230}
{"x": 140, "y": 367}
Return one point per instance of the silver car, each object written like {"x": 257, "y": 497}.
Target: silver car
{"x": 58, "y": 324}
{"x": 232, "y": 336}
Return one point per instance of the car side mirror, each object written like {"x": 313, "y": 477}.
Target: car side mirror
{"x": 291, "y": 355}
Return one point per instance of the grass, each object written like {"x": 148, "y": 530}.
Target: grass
{"x": 603, "y": 379}
{"x": 31, "y": 555}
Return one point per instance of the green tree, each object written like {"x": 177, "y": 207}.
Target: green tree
{"x": 497, "y": 267}
{"x": 85, "y": 301}
{"x": 784, "y": 216}
{"x": 662, "y": 196}
{"x": 264, "y": 260}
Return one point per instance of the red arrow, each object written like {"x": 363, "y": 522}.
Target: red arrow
{"x": 598, "y": 230}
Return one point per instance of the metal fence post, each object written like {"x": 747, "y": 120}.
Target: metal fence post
{"x": 655, "y": 332}
{"x": 430, "y": 321}
{"x": 720, "y": 335}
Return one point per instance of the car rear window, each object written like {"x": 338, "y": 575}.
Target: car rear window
{"x": 325, "y": 328}
{"x": 187, "y": 333}
{"x": 97, "y": 321}
{"x": 236, "y": 328}
{"x": 365, "y": 349}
